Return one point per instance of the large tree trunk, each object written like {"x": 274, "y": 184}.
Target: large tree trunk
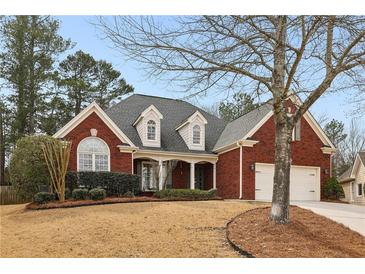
{"x": 2, "y": 151}
{"x": 280, "y": 199}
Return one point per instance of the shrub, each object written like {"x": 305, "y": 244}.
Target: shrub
{"x": 114, "y": 183}
{"x": 186, "y": 193}
{"x": 43, "y": 197}
{"x": 80, "y": 194}
{"x": 28, "y": 169}
{"x": 128, "y": 194}
{"x": 97, "y": 194}
{"x": 333, "y": 189}
{"x": 71, "y": 180}
{"x": 68, "y": 193}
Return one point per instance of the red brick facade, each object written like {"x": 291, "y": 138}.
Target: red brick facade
{"x": 181, "y": 175}
{"x": 120, "y": 162}
{"x": 228, "y": 174}
{"x": 306, "y": 152}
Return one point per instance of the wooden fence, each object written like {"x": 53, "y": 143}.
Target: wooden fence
{"x": 8, "y": 196}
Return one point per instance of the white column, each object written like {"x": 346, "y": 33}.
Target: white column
{"x": 160, "y": 177}
{"x": 192, "y": 175}
{"x": 214, "y": 176}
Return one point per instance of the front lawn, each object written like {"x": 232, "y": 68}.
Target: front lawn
{"x": 164, "y": 229}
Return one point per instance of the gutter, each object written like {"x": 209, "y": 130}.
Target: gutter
{"x": 241, "y": 177}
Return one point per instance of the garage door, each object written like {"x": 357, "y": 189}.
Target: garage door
{"x": 304, "y": 183}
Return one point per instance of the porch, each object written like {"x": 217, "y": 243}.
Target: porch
{"x": 159, "y": 170}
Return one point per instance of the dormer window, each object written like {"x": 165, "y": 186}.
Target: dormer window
{"x": 196, "y": 135}
{"x": 192, "y": 130}
{"x": 151, "y": 130}
{"x": 148, "y": 126}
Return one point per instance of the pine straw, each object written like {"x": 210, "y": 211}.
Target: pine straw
{"x": 164, "y": 229}
{"x": 307, "y": 235}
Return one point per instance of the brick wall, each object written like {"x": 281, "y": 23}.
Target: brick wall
{"x": 228, "y": 174}
{"x": 120, "y": 162}
{"x": 306, "y": 152}
{"x": 181, "y": 175}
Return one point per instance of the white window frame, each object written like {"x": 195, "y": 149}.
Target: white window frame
{"x": 200, "y": 135}
{"x": 297, "y": 128}
{"x": 93, "y": 154}
{"x": 357, "y": 189}
{"x": 155, "y": 130}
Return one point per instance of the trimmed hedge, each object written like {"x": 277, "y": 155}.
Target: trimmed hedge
{"x": 114, "y": 183}
{"x": 80, "y": 194}
{"x": 186, "y": 193}
{"x": 97, "y": 194}
{"x": 43, "y": 197}
{"x": 333, "y": 189}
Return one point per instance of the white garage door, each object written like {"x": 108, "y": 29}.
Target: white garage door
{"x": 304, "y": 183}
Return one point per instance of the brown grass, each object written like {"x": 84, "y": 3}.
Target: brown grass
{"x": 165, "y": 229}
{"x": 307, "y": 235}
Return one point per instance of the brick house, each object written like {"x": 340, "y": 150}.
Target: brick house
{"x": 172, "y": 142}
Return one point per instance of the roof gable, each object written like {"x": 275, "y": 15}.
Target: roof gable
{"x": 248, "y": 124}
{"x": 359, "y": 160}
{"x": 92, "y": 108}
{"x": 175, "y": 112}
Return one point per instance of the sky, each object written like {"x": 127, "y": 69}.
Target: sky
{"x": 87, "y": 38}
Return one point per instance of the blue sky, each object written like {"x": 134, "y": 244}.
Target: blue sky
{"x": 87, "y": 38}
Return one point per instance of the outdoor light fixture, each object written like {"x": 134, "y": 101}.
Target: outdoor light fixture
{"x": 326, "y": 171}
{"x": 252, "y": 167}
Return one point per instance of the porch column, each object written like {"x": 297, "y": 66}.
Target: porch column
{"x": 160, "y": 177}
{"x": 214, "y": 176}
{"x": 192, "y": 175}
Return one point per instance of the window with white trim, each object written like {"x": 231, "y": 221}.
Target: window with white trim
{"x": 359, "y": 189}
{"x": 93, "y": 155}
{"x": 296, "y": 131}
{"x": 151, "y": 130}
{"x": 196, "y": 135}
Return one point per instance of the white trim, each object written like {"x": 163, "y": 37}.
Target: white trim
{"x": 357, "y": 190}
{"x": 168, "y": 155}
{"x": 258, "y": 125}
{"x": 93, "y": 154}
{"x": 244, "y": 143}
{"x": 215, "y": 176}
{"x": 317, "y": 129}
{"x": 191, "y": 118}
{"x": 93, "y": 107}
{"x": 328, "y": 150}
{"x": 356, "y": 164}
{"x": 241, "y": 187}
{"x": 127, "y": 149}
{"x": 144, "y": 113}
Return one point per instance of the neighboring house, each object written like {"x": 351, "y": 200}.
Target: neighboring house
{"x": 353, "y": 180}
{"x": 149, "y": 135}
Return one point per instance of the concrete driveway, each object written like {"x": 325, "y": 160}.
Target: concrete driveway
{"x": 352, "y": 216}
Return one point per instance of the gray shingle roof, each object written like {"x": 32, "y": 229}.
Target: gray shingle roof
{"x": 346, "y": 175}
{"x": 125, "y": 113}
{"x": 238, "y": 128}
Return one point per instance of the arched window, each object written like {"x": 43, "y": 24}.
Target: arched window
{"x": 196, "y": 134}
{"x": 151, "y": 130}
{"x": 93, "y": 155}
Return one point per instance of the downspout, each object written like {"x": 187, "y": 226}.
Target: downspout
{"x": 241, "y": 177}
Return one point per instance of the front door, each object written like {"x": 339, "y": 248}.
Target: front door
{"x": 199, "y": 177}
{"x": 148, "y": 178}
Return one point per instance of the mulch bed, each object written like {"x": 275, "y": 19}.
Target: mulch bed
{"x": 108, "y": 200}
{"x": 307, "y": 235}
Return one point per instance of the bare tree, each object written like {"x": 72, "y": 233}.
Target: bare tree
{"x": 354, "y": 142}
{"x": 280, "y": 55}
{"x": 163, "y": 172}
